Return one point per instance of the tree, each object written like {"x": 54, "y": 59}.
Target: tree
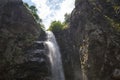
{"x": 56, "y": 26}
{"x": 34, "y": 10}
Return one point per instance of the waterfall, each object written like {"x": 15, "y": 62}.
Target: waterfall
{"x": 55, "y": 57}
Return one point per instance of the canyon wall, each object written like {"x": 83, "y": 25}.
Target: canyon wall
{"x": 18, "y": 31}
{"x": 90, "y": 47}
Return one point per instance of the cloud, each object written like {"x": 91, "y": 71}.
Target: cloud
{"x": 49, "y": 10}
{"x": 66, "y": 7}
{"x": 28, "y": 1}
{"x": 43, "y": 9}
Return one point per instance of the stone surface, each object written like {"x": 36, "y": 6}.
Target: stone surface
{"x": 90, "y": 47}
{"x": 70, "y": 56}
{"x": 116, "y": 74}
{"x": 18, "y": 31}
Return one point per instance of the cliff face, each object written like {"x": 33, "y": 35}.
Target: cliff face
{"x": 18, "y": 31}
{"x": 70, "y": 56}
{"x": 91, "y": 46}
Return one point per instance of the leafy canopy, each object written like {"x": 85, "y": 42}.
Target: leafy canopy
{"x": 56, "y": 26}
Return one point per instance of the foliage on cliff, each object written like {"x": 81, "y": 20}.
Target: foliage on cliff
{"x": 34, "y": 10}
{"x": 110, "y": 9}
{"x": 58, "y": 25}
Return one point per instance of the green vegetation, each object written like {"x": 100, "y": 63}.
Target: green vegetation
{"x": 55, "y": 25}
{"x": 33, "y": 10}
{"x": 58, "y": 25}
{"x": 110, "y": 9}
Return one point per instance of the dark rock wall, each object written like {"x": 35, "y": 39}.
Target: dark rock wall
{"x": 18, "y": 31}
{"x": 98, "y": 42}
{"x": 70, "y": 55}
{"x": 91, "y": 46}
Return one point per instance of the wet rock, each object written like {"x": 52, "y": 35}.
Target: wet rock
{"x": 116, "y": 74}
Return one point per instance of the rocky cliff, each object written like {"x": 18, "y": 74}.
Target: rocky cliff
{"x": 90, "y": 47}
{"x": 18, "y": 31}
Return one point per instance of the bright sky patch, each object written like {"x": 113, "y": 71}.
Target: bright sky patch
{"x": 50, "y": 10}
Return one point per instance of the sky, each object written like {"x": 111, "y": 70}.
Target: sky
{"x": 50, "y": 10}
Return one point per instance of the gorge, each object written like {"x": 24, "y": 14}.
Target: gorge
{"x": 88, "y": 49}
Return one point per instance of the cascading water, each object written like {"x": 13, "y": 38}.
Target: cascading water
{"x": 55, "y": 57}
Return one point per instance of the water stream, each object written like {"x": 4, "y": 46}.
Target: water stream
{"x": 55, "y": 57}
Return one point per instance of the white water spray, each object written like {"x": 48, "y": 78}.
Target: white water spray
{"x": 55, "y": 57}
